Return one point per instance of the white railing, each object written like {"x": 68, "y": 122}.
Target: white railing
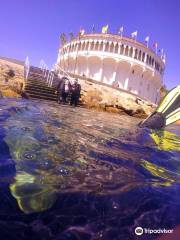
{"x": 26, "y": 68}
{"x": 50, "y": 74}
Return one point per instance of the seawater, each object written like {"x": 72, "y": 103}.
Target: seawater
{"x": 73, "y": 173}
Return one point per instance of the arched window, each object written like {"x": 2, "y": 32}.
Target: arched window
{"x": 143, "y": 56}
{"x": 158, "y": 66}
{"x": 153, "y": 62}
{"x": 131, "y": 52}
{"x": 107, "y": 47}
{"x": 122, "y": 49}
{"x": 83, "y": 46}
{"x": 92, "y": 46}
{"x": 116, "y": 48}
{"x": 126, "y": 50}
{"x": 101, "y": 46}
{"x": 150, "y": 60}
{"x": 87, "y": 46}
{"x": 147, "y": 59}
{"x": 97, "y": 46}
{"x": 136, "y": 54}
{"x": 112, "y": 48}
{"x": 139, "y": 55}
{"x": 79, "y": 46}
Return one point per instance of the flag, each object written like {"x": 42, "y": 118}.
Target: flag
{"x": 81, "y": 32}
{"x": 134, "y": 34}
{"x": 147, "y": 39}
{"x": 155, "y": 45}
{"x": 162, "y": 52}
{"x": 164, "y": 58}
{"x": 105, "y": 29}
{"x": 121, "y": 29}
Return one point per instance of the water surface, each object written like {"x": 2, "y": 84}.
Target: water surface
{"x": 74, "y": 173}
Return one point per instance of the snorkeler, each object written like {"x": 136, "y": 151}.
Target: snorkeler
{"x": 166, "y": 113}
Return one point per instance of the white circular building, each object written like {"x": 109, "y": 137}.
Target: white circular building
{"x": 115, "y": 60}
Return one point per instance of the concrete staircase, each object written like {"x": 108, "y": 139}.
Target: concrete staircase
{"x": 37, "y": 87}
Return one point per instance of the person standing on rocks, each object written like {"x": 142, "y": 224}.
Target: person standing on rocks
{"x": 75, "y": 92}
{"x": 63, "y": 90}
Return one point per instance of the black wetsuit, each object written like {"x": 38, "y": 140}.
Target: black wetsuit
{"x": 75, "y": 93}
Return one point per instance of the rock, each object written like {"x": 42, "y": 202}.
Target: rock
{"x": 105, "y": 98}
{"x": 112, "y": 109}
{"x": 11, "y": 77}
{"x": 140, "y": 113}
{"x": 7, "y": 91}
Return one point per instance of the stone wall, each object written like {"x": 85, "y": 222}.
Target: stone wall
{"x": 11, "y": 77}
{"x": 105, "y": 97}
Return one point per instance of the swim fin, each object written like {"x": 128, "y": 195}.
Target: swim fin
{"x": 166, "y": 113}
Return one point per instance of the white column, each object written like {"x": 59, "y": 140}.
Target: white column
{"x": 104, "y": 46}
{"x": 134, "y": 50}
{"x": 119, "y": 49}
{"x": 89, "y": 48}
{"x": 124, "y": 50}
{"x": 145, "y": 57}
{"x": 129, "y": 49}
{"x": 114, "y": 47}
{"x": 77, "y": 45}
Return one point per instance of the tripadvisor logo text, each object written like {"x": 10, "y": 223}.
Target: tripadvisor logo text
{"x": 139, "y": 231}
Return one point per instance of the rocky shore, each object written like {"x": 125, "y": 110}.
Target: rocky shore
{"x": 104, "y": 97}
{"x": 11, "y": 77}
{"x": 96, "y": 95}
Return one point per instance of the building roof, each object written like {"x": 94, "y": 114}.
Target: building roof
{"x": 19, "y": 62}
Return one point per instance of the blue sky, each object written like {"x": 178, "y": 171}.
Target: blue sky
{"x": 32, "y": 28}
